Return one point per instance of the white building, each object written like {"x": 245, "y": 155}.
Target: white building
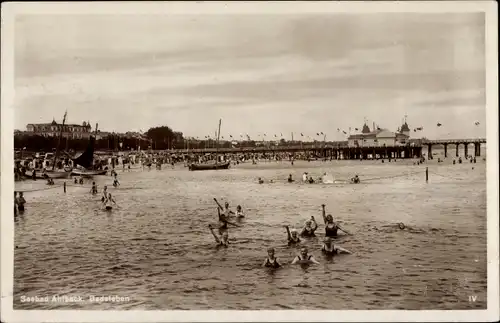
{"x": 380, "y": 137}
{"x": 53, "y": 129}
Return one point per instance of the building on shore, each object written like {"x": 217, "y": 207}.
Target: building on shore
{"x": 53, "y": 129}
{"x": 378, "y": 137}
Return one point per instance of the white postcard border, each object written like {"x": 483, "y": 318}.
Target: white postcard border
{"x": 10, "y": 10}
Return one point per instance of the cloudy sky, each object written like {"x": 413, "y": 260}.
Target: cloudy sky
{"x": 261, "y": 74}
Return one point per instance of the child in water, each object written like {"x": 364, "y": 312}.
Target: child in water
{"x": 239, "y": 212}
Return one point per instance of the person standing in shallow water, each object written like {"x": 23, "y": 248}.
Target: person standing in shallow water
{"x": 271, "y": 261}
{"x": 223, "y": 240}
{"x": 293, "y": 237}
{"x": 331, "y": 228}
{"x": 20, "y": 202}
{"x": 304, "y": 258}
{"x": 15, "y": 203}
{"x": 308, "y": 230}
{"x": 330, "y": 249}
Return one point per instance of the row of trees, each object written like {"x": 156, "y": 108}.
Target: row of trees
{"x": 157, "y": 138}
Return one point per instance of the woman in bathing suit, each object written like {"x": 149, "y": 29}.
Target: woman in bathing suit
{"x": 304, "y": 258}
{"x": 223, "y": 240}
{"x": 308, "y": 230}
{"x": 293, "y": 237}
{"x": 331, "y": 228}
{"x": 330, "y": 249}
{"x": 271, "y": 261}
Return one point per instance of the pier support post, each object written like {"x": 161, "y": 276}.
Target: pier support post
{"x": 477, "y": 147}
{"x": 429, "y": 151}
{"x": 457, "y": 149}
{"x": 466, "y": 150}
{"x": 427, "y": 174}
{"x": 445, "y": 150}
{"x": 64, "y": 186}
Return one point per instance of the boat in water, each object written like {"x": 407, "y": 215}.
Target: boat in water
{"x": 214, "y": 165}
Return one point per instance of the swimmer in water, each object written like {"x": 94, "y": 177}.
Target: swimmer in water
{"x": 308, "y": 230}
{"x": 20, "y": 202}
{"x": 15, "y": 203}
{"x": 239, "y": 212}
{"x": 310, "y": 180}
{"x": 330, "y": 249}
{"x": 108, "y": 202}
{"x": 304, "y": 258}
{"x": 293, "y": 237}
{"x": 331, "y": 228}
{"x": 223, "y": 240}
{"x": 261, "y": 181}
{"x": 93, "y": 190}
{"x": 104, "y": 193}
{"x": 271, "y": 261}
{"x": 222, "y": 221}
{"x": 355, "y": 179}
{"x": 227, "y": 209}
{"x": 290, "y": 179}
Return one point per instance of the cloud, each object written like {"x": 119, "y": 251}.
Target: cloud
{"x": 260, "y": 73}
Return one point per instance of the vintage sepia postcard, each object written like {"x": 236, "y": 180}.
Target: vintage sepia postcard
{"x": 238, "y": 161}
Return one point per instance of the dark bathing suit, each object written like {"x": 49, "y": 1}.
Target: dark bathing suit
{"x": 329, "y": 252}
{"x": 331, "y": 232}
{"x": 292, "y": 242}
{"x": 273, "y": 264}
{"x": 308, "y": 258}
{"x": 307, "y": 233}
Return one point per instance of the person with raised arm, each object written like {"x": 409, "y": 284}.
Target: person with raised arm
{"x": 309, "y": 229}
{"x": 331, "y": 227}
{"x": 293, "y": 237}
{"x": 223, "y": 240}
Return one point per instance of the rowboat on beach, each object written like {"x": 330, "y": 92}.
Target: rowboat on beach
{"x": 88, "y": 172}
{"x": 55, "y": 174}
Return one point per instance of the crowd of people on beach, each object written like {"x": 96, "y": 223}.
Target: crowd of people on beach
{"x": 225, "y": 214}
